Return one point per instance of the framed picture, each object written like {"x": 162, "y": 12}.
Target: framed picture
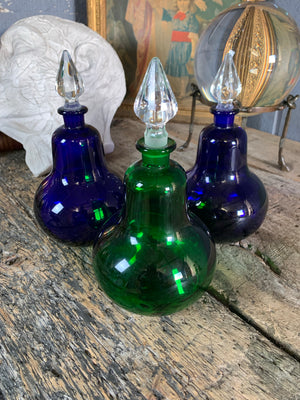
{"x": 169, "y": 29}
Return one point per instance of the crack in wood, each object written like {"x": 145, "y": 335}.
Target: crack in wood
{"x": 226, "y": 302}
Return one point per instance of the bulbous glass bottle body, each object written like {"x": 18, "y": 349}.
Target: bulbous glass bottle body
{"x": 222, "y": 191}
{"x": 74, "y": 201}
{"x": 155, "y": 262}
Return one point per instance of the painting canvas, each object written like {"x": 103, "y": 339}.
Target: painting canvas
{"x": 169, "y": 29}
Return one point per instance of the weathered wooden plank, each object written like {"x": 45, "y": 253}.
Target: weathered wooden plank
{"x": 254, "y": 304}
{"x": 62, "y": 337}
{"x": 246, "y": 276}
{"x": 262, "y": 283}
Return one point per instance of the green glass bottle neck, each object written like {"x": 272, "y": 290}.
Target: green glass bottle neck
{"x": 156, "y": 190}
{"x": 159, "y": 158}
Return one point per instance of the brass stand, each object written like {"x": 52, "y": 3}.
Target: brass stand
{"x": 290, "y": 103}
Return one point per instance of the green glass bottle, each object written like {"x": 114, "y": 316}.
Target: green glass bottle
{"x": 155, "y": 261}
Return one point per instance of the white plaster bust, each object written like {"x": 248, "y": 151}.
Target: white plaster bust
{"x": 30, "y": 53}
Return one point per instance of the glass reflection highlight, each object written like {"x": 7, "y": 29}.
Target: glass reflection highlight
{"x": 222, "y": 191}
{"x": 155, "y": 261}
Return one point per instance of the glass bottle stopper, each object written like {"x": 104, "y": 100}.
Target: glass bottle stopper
{"x": 227, "y": 85}
{"x": 155, "y": 105}
{"x": 69, "y": 84}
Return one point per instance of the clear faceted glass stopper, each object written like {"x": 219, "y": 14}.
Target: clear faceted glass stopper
{"x": 155, "y": 104}
{"x": 69, "y": 84}
{"x": 227, "y": 85}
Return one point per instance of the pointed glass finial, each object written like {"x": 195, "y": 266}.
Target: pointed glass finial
{"x": 227, "y": 85}
{"x": 155, "y": 104}
{"x": 69, "y": 84}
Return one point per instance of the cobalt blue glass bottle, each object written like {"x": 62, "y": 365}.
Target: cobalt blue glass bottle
{"x": 222, "y": 191}
{"x": 79, "y": 195}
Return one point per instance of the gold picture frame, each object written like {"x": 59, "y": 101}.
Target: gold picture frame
{"x": 115, "y": 20}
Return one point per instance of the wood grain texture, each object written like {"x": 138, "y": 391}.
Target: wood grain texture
{"x": 61, "y": 338}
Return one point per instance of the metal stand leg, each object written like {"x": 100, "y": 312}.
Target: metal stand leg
{"x": 291, "y": 104}
{"x": 196, "y": 95}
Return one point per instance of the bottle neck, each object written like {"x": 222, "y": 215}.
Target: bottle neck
{"x": 156, "y": 158}
{"x": 224, "y": 119}
{"x": 77, "y": 149}
{"x": 221, "y": 151}
{"x": 73, "y": 118}
{"x": 155, "y": 190}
